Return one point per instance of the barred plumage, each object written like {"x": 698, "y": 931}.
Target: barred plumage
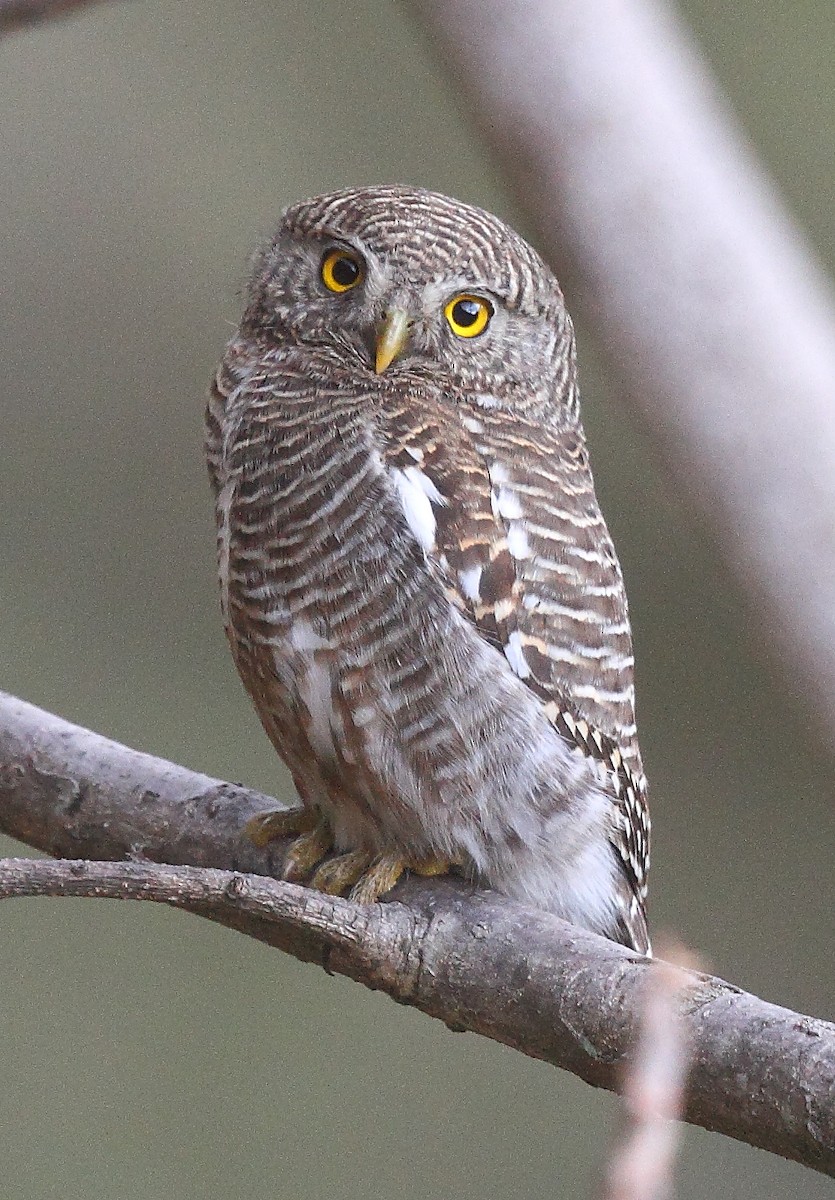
{"x": 418, "y": 586}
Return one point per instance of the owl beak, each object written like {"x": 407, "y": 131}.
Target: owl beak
{"x": 391, "y": 338}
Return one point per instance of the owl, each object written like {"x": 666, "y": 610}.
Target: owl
{"x": 418, "y": 587}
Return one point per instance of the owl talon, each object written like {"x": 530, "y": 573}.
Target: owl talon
{"x": 381, "y": 876}
{"x": 306, "y": 851}
{"x": 429, "y": 867}
{"x": 268, "y": 827}
{"x": 385, "y": 871}
{"x": 338, "y": 874}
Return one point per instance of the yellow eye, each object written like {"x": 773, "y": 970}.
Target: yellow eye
{"x": 468, "y": 316}
{"x": 341, "y": 271}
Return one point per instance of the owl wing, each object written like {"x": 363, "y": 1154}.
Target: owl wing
{"x": 507, "y": 515}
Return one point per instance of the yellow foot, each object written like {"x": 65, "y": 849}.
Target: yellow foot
{"x": 268, "y": 827}
{"x": 306, "y": 851}
{"x": 338, "y": 874}
{"x": 384, "y": 872}
{"x": 381, "y": 876}
{"x": 432, "y": 866}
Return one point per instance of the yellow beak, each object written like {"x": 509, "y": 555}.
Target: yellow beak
{"x": 391, "y": 338}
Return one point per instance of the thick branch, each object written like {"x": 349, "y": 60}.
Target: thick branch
{"x": 760, "y": 1073}
{"x": 715, "y": 317}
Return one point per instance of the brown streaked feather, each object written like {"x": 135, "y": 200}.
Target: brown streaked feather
{"x": 419, "y": 591}
{"x": 563, "y": 603}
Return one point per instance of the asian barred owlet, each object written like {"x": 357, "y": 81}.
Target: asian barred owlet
{"x": 418, "y": 587}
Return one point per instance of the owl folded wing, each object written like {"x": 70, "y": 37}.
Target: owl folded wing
{"x": 506, "y": 513}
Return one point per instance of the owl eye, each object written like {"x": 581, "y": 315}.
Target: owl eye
{"x": 341, "y": 271}
{"x": 468, "y": 316}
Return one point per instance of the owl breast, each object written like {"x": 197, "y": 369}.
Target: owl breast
{"x": 395, "y": 716}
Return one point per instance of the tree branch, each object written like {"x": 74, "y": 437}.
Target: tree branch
{"x": 715, "y": 317}
{"x": 760, "y": 1073}
{"x": 16, "y": 13}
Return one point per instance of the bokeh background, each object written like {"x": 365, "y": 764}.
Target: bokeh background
{"x": 145, "y": 149}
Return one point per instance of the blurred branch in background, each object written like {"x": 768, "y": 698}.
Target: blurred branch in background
{"x": 16, "y": 13}
{"x": 715, "y": 318}
{"x": 760, "y": 1073}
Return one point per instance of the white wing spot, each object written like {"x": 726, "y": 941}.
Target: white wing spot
{"x": 421, "y": 480}
{"x": 515, "y": 655}
{"x": 517, "y": 540}
{"x": 470, "y": 581}
{"x": 472, "y": 424}
{"x": 417, "y": 494}
{"x": 503, "y": 608}
{"x": 508, "y": 505}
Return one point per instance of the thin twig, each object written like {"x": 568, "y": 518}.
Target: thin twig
{"x": 642, "y": 1160}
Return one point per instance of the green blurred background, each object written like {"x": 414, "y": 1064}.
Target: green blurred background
{"x": 145, "y": 149}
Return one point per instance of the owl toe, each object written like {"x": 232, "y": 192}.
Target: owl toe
{"x": 337, "y": 875}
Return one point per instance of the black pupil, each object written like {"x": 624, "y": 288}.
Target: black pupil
{"x": 345, "y": 271}
{"x": 466, "y": 312}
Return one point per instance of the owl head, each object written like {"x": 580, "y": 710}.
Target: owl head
{"x": 401, "y": 282}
